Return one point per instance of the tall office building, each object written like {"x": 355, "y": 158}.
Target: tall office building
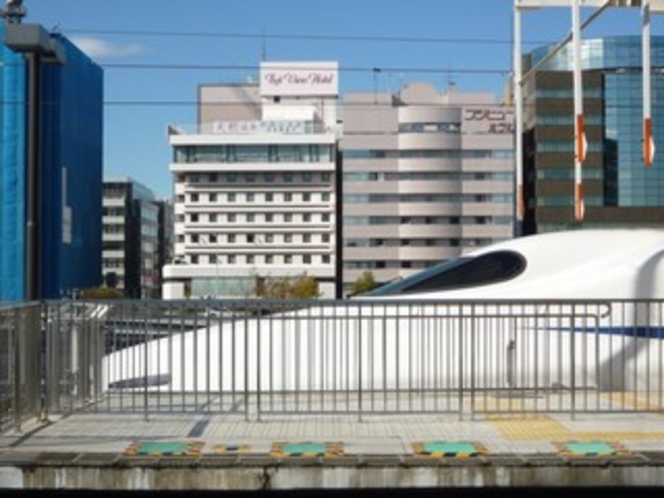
{"x": 427, "y": 177}
{"x": 619, "y": 190}
{"x": 254, "y": 184}
{"x": 131, "y": 238}
{"x": 165, "y": 237}
{"x": 58, "y": 250}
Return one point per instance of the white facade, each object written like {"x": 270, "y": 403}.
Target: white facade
{"x": 254, "y": 185}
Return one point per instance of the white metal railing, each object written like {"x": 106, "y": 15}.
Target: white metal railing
{"x": 354, "y": 357}
{"x": 20, "y": 362}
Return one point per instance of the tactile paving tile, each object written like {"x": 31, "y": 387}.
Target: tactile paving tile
{"x": 306, "y": 449}
{"x": 230, "y": 449}
{"x": 164, "y": 448}
{"x": 590, "y": 449}
{"x": 456, "y": 449}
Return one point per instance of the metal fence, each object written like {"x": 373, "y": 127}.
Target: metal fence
{"x": 20, "y": 363}
{"x": 261, "y": 358}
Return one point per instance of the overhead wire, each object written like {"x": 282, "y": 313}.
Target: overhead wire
{"x": 303, "y": 37}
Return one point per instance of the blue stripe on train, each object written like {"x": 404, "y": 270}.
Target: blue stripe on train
{"x": 633, "y": 331}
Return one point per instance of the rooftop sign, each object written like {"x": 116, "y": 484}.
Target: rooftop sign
{"x": 302, "y": 79}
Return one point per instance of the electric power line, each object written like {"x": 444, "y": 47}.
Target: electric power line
{"x": 303, "y": 37}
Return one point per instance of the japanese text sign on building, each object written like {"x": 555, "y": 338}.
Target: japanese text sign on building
{"x": 488, "y": 120}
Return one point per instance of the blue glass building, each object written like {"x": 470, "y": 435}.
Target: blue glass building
{"x": 618, "y": 189}
{"x": 70, "y": 171}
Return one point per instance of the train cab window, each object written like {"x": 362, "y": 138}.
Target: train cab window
{"x": 489, "y": 268}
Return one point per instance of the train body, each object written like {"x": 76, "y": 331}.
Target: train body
{"x": 581, "y": 308}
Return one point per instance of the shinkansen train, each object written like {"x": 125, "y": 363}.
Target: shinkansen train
{"x": 580, "y": 308}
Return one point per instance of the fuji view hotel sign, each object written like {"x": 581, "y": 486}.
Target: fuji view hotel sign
{"x": 284, "y": 79}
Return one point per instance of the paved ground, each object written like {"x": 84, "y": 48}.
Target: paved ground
{"x": 388, "y": 435}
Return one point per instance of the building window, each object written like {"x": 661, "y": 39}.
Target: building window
{"x": 306, "y": 259}
{"x": 231, "y": 238}
{"x": 231, "y": 197}
{"x": 288, "y": 259}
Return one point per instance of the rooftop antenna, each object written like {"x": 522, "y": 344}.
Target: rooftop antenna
{"x": 13, "y": 12}
{"x": 451, "y": 82}
{"x": 263, "y": 47}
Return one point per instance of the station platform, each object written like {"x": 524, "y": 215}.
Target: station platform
{"x": 228, "y": 452}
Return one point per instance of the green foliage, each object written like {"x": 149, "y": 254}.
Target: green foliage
{"x": 302, "y": 287}
{"x": 102, "y": 292}
{"x": 364, "y": 283}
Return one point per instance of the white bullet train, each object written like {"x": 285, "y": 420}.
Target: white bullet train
{"x": 576, "y": 308}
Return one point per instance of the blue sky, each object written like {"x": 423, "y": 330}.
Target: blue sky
{"x": 156, "y": 53}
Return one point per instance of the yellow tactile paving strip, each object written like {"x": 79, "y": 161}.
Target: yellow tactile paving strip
{"x": 542, "y": 427}
{"x": 230, "y": 449}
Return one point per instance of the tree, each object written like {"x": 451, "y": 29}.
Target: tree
{"x": 102, "y": 292}
{"x": 364, "y": 283}
{"x": 302, "y": 287}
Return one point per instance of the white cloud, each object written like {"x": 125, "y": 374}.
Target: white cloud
{"x": 97, "y": 48}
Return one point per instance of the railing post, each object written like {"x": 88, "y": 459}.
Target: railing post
{"x": 16, "y": 370}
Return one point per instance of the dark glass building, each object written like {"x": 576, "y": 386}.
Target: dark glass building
{"x": 131, "y": 248}
{"x": 619, "y": 190}
{"x": 70, "y": 194}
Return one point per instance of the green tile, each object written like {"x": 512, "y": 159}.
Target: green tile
{"x": 304, "y": 448}
{"x": 590, "y": 448}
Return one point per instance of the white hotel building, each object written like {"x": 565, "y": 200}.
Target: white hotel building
{"x": 254, "y": 184}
